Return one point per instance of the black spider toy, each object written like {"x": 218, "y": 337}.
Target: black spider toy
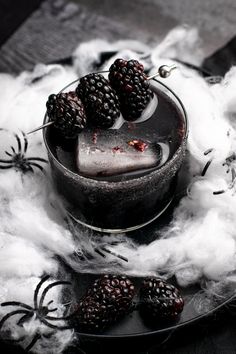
{"x": 40, "y": 311}
{"x": 18, "y": 159}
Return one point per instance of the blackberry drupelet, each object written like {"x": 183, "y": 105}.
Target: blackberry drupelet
{"x": 109, "y": 298}
{"x": 100, "y": 101}
{"x": 159, "y": 299}
{"x": 132, "y": 87}
{"x": 67, "y": 112}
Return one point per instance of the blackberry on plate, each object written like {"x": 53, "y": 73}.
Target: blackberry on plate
{"x": 117, "y": 290}
{"x": 92, "y": 315}
{"x": 67, "y": 112}
{"x": 108, "y": 299}
{"x": 100, "y": 100}
{"x": 159, "y": 299}
{"x": 127, "y": 77}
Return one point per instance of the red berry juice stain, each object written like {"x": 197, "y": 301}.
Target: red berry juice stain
{"x": 137, "y": 144}
{"x": 95, "y": 137}
{"x": 117, "y": 149}
{"x": 181, "y": 130}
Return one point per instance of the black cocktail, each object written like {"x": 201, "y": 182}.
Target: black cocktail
{"x": 121, "y": 179}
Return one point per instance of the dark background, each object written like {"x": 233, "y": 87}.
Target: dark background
{"x": 33, "y": 31}
{"x": 57, "y": 26}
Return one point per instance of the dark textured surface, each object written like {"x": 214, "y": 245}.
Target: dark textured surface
{"x": 222, "y": 60}
{"x": 58, "y": 26}
{"x": 215, "y": 19}
{"x": 53, "y": 32}
{"x": 12, "y": 16}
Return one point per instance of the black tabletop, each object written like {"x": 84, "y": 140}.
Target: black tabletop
{"x": 23, "y": 43}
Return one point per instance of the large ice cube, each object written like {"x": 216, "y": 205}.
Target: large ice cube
{"x": 111, "y": 152}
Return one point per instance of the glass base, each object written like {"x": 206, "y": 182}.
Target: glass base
{"x": 121, "y": 230}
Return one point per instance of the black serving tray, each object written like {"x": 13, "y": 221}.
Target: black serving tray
{"x": 133, "y": 331}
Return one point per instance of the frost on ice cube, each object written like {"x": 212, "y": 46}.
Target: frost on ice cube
{"x": 109, "y": 153}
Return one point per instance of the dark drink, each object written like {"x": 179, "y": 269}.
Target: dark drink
{"x": 120, "y": 179}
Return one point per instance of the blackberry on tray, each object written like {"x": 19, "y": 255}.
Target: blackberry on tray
{"x": 67, "y": 112}
{"x": 160, "y": 300}
{"x": 108, "y": 299}
{"x": 100, "y": 100}
{"x": 93, "y": 315}
{"x": 132, "y": 86}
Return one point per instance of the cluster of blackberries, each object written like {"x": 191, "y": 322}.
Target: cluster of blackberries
{"x": 111, "y": 297}
{"x": 98, "y": 102}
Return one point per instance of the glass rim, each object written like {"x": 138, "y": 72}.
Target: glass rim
{"x": 158, "y": 170}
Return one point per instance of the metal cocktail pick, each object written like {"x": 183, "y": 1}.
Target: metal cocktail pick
{"x": 164, "y": 71}
{"x": 41, "y": 127}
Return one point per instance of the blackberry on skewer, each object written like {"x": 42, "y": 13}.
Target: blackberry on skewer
{"x": 100, "y": 101}
{"x": 66, "y": 112}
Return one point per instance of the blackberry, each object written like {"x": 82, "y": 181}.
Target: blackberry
{"x": 109, "y": 298}
{"x": 116, "y": 290}
{"x": 92, "y": 315}
{"x": 100, "y": 100}
{"x": 67, "y": 112}
{"x": 160, "y": 299}
{"x": 131, "y": 84}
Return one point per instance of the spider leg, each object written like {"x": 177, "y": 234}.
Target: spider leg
{"x": 18, "y": 143}
{"x": 16, "y": 303}
{"x": 25, "y": 318}
{"x": 8, "y": 153}
{"x": 53, "y": 326}
{"x": 49, "y": 303}
{"x": 60, "y": 282}
{"x": 33, "y": 342}
{"x": 14, "y": 151}
{"x": 53, "y": 310}
{"x": 25, "y": 142}
{"x": 36, "y": 292}
{"x": 6, "y": 161}
{"x": 37, "y": 159}
{"x": 25, "y": 167}
{"x": 31, "y": 169}
{"x": 5, "y": 167}
{"x": 36, "y": 165}
{"x": 13, "y": 313}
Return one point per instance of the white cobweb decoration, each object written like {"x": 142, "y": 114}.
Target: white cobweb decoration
{"x": 198, "y": 244}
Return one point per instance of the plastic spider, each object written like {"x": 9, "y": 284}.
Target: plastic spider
{"x": 18, "y": 160}
{"x": 40, "y": 311}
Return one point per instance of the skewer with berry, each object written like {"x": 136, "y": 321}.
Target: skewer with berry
{"x": 98, "y": 103}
